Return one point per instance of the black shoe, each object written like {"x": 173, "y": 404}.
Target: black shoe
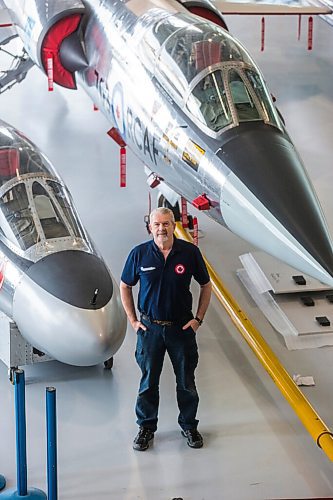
{"x": 141, "y": 440}
{"x": 194, "y": 438}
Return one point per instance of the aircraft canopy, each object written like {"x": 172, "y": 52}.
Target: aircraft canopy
{"x": 35, "y": 207}
{"x": 209, "y": 73}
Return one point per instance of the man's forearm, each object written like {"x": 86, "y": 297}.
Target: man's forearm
{"x": 204, "y": 299}
{"x": 127, "y": 300}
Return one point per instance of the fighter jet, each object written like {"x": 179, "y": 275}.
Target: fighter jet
{"x": 53, "y": 282}
{"x": 192, "y": 104}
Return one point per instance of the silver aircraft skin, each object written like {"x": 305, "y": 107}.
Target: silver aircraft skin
{"x": 53, "y": 283}
{"x": 192, "y": 104}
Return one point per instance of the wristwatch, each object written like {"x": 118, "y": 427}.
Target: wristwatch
{"x": 200, "y": 321}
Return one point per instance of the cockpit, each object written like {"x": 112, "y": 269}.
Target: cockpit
{"x": 36, "y": 211}
{"x": 208, "y": 73}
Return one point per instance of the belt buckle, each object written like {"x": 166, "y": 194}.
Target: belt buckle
{"x": 162, "y": 323}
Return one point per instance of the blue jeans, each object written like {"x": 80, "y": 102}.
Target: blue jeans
{"x": 182, "y": 348}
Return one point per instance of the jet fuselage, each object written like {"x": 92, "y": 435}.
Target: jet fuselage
{"x": 192, "y": 104}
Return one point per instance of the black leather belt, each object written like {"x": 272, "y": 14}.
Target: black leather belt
{"x": 161, "y": 322}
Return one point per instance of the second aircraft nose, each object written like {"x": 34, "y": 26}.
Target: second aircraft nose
{"x": 68, "y": 306}
{"x": 75, "y": 277}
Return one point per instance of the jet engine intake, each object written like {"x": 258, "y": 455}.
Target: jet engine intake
{"x": 43, "y": 27}
{"x": 51, "y": 49}
{"x": 205, "y": 10}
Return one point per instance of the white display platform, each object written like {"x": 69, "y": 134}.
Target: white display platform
{"x": 277, "y": 275}
{"x": 270, "y": 283}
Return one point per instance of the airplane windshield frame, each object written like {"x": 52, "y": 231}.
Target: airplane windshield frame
{"x": 37, "y": 209}
{"x": 225, "y": 95}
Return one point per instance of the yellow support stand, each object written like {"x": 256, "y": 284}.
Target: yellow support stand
{"x": 306, "y": 413}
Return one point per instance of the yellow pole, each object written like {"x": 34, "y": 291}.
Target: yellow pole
{"x": 308, "y": 416}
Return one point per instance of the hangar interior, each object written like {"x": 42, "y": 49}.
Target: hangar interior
{"x": 255, "y": 446}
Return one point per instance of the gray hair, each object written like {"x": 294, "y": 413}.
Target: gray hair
{"x": 162, "y": 211}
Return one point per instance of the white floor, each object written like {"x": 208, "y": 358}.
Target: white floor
{"x": 255, "y": 447}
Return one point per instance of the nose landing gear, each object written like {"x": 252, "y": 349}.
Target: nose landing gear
{"x": 108, "y": 364}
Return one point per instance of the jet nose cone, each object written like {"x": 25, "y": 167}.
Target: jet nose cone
{"x": 267, "y": 163}
{"x": 75, "y": 277}
{"x": 69, "y": 307}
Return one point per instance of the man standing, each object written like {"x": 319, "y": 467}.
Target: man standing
{"x": 165, "y": 266}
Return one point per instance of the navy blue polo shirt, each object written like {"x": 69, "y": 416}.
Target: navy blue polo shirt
{"x": 165, "y": 284}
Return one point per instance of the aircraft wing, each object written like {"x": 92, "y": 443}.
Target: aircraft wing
{"x": 290, "y": 7}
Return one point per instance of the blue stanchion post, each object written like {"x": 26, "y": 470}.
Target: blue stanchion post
{"x": 2, "y": 482}
{"x": 21, "y": 448}
{"x": 21, "y": 445}
{"x": 51, "y": 425}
